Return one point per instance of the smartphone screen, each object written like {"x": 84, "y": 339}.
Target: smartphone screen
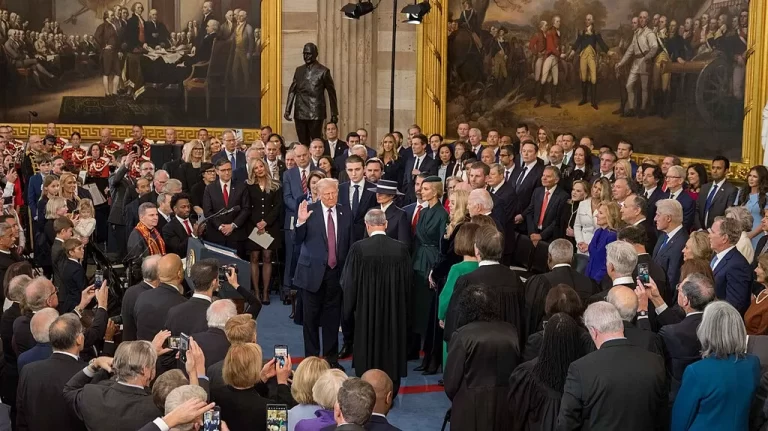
{"x": 642, "y": 273}
{"x": 212, "y": 419}
{"x": 277, "y": 417}
{"x": 281, "y": 353}
{"x": 183, "y": 346}
{"x": 172, "y": 343}
{"x": 98, "y": 278}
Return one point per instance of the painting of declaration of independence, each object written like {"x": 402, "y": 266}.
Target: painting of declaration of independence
{"x": 667, "y": 73}
{"x": 149, "y": 62}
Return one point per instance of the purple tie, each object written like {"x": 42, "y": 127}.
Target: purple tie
{"x": 331, "y": 240}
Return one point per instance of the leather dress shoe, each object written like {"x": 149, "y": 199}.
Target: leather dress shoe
{"x": 346, "y": 351}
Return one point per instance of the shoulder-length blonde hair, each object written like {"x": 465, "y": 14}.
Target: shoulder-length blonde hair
{"x": 186, "y": 152}
{"x": 87, "y": 205}
{"x": 395, "y": 147}
{"x": 242, "y": 365}
{"x": 548, "y": 143}
{"x": 700, "y": 246}
{"x": 305, "y": 377}
{"x": 627, "y": 168}
{"x": 64, "y": 178}
{"x": 459, "y": 211}
{"x": 272, "y": 184}
{"x": 53, "y": 205}
{"x": 208, "y": 153}
{"x": 613, "y": 214}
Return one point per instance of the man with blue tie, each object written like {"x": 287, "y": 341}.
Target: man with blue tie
{"x": 716, "y": 195}
{"x": 675, "y": 179}
{"x": 230, "y": 151}
{"x": 668, "y": 253}
{"x": 322, "y": 231}
{"x": 35, "y": 186}
{"x": 733, "y": 274}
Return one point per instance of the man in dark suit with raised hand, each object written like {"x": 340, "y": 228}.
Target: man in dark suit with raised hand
{"x": 420, "y": 163}
{"x": 323, "y": 233}
{"x": 45, "y": 380}
{"x": 733, "y": 274}
{"x": 398, "y": 226}
{"x": 715, "y": 196}
{"x": 355, "y": 196}
{"x": 228, "y": 230}
{"x": 545, "y": 210}
{"x": 527, "y": 179}
{"x": 668, "y": 252}
{"x": 620, "y": 386}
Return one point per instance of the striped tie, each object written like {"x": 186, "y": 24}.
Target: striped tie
{"x": 304, "y": 181}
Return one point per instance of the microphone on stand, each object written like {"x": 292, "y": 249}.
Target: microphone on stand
{"x": 221, "y": 212}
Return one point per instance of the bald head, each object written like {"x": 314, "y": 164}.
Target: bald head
{"x": 169, "y": 269}
{"x": 41, "y": 323}
{"x": 382, "y": 385}
{"x": 625, "y": 300}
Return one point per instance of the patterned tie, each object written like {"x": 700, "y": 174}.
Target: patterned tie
{"x": 356, "y": 199}
{"x": 415, "y": 220}
{"x": 304, "y": 181}
{"x": 275, "y": 171}
{"x": 187, "y": 227}
{"x": 226, "y": 194}
{"x": 331, "y": 240}
{"x": 544, "y": 208}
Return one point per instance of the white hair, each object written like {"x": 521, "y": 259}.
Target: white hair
{"x": 40, "y": 324}
{"x": 219, "y": 312}
{"x": 560, "y": 251}
{"x": 603, "y": 317}
{"x": 622, "y": 256}
{"x": 482, "y": 198}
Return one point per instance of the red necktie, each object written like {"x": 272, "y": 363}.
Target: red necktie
{"x": 226, "y": 194}
{"x": 331, "y": 240}
{"x": 187, "y": 227}
{"x": 544, "y": 208}
{"x": 416, "y": 219}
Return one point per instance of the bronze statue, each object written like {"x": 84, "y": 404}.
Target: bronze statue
{"x": 310, "y": 81}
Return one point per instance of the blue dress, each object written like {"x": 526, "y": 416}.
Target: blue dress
{"x": 596, "y": 268}
{"x": 757, "y": 215}
{"x": 716, "y": 394}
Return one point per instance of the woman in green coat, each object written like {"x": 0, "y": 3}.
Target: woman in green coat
{"x": 430, "y": 228}
{"x": 464, "y": 246}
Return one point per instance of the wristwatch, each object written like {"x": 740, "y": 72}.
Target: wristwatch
{"x": 642, "y": 313}
{"x": 91, "y": 365}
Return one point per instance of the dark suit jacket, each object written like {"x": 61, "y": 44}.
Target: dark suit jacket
{"x": 127, "y": 309}
{"x": 214, "y": 345}
{"x": 292, "y": 192}
{"x": 644, "y": 339}
{"x": 313, "y": 257}
{"x": 689, "y": 208}
{"x": 40, "y": 399}
{"x": 506, "y": 194}
{"x": 428, "y": 165}
{"x": 366, "y": 202}
{"x": 538, "y": 286}
{"x": 120, "y": 185}
{"x": 213, "y": 201}
{"x": 71, "y": 285}
{"x": 38, "y": 352}
{"x": 551, "y": 228}
{"x": 176, "y": 237}
{"x": 670, "y": 257}
{"x": 758, "y": 249}
{"x": 339, "y": 149}
{"x": 398, "y": 225}
{"x": 524, "y": 189}
{"x": 681, "y": 348}
{"x": 58, "y": 256}
{"x": 724, "y": 198}
{"x": 733, "y": 280}
{"x": 158, "y": 28}
{"x": 132, "y": 33}
{"x": 375, "y": 423}
{"x": 658, "y": 194}
{"x": 187, "y": 317}
{"x": 601, "y": 393}
{"x": 239, "y": 158}
{"x": 108, "y": 404}
{"x": 657, "y": 274}
{"x": 151, "y": 310}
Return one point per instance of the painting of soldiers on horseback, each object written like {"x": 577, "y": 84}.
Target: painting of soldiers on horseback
{"x": 669, "y": 73}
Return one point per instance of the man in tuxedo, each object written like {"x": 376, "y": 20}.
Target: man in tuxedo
{"x": 151, "y": 309}
{"x": 635, "y": 235}
{"x": 733, "y": 274}
{"x": 295, "y": 189}
{"x": 675, "y": 179}
{"x": 526, "y": 181}
{"x": 559, "y": 258}
{"x": 652, "y": 192}
{"x": 418, "y": 164}
{"x": 45, "y": 379}
{"x": 149, "y": 281}
{"x": 398, "y": 226}
{"x": 382, "y": 386}
{"x": 334, "y": 147}
{"x": 323, "y": 233}
{"x": 181, "y": 227}
{"x": 668, "y": 252}
{"x": 625, "y": 301}
{"x": 716, "y": 195}
{"x": 545, "y": 210}
{"x": 356, "y": 197}
{"x": 213, "y": 342}
{"x": 599, "y": 393}
{"x": 633, "y": 214}
{"x": 489, "y": 246}
{"x": 229, "y": 230}
{"x": 230, "y": 151}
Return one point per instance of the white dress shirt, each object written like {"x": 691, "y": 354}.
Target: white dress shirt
{"x": 418, "y": 161}
{"x": 360, "y": 189}
{"x": 527, "y": 171}
{"x": 335, "y": 216}
{"x": 721, "y": 255}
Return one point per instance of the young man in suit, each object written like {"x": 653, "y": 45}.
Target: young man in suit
{"x": 334, "y": 147}
{"x": 652, "y": 192}
{"x": 323, "y": 234}
{"x": 675, "y": 178}
{"x": 615, "y": 398}
{"x": 35, "y": 185}
{"x": 181, "y": 227}
{"x": 545, "y": 211}
{"x": 526, "y": 181}
{"x": 63, "y": 228}
{"x": 668, "y": 252}
{"x": 356, "y": 197}
{"x": 398, "y": 225}
{"x": 228, "y": 230}
{"x": 230, "y": 151}
{"x": 716, "y": 195}
{"x": 733, "y": 274}
{"x": 420, "y": 163}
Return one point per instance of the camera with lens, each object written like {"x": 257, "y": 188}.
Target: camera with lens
{"x": 223, "y": 271}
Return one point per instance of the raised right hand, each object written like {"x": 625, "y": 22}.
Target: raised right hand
{"x": 303, "y": 214}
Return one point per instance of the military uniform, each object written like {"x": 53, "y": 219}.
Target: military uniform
{"x": 587, "y": 44}
{"x": 550, "y": 66}
{"x": 538, "y": 47}
{"x": 640, "y": 52}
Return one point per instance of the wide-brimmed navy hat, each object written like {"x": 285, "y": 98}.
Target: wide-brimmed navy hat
{"x": 386, "y": 187}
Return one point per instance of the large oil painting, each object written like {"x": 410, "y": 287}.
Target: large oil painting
{"x": 666, "y": 74}
{"x": 149, "y": 62}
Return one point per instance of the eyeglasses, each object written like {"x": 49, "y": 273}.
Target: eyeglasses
{"x": 673, "y": 178}
{"x": 55, "y": 292}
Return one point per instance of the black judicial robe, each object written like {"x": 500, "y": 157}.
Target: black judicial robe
{"x": 377, "y": 281}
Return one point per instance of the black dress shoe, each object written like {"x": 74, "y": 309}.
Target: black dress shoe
{"x": 346, "y": 351}
{"x": 337, "y": 366}
{"x": 420, "y": 368}
{"x": 429, "y": 372}
{"x": 440, "y": 382}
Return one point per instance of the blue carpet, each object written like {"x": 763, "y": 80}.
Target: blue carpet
{"x": 413, "y": 411}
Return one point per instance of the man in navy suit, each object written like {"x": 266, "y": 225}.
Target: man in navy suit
{"x": 334, "y": 146}
{"x": 545, "y": 210}
{"x": 322, "y": 231}
{"x": 528, "y": 178}
{"x": 420, "y": 163}
{"x": 385, "y": 394}
{"x": 398, "y": 223}
{"x": 35, "y": 185}
{"x": 716, "y": 195}
{"x": 228, "y": 230}
{"x": 733, "y": 274}
{"x": 624, "y": 151}
{"x": 668, "y": 252}
{"x": 230, "y": 151}
{"x": 295, "y": 189}
{"x": 356, "y": 197}
{"x": 675, "y": 178}
{"x": 354, "y": 139}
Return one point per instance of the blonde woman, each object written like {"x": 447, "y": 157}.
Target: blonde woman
{"x": 189, "y": 172}
{"x": 214, "y": 147}
{"x": 608, "y": 221}
{"x": 325, "y": 394}
{"x": 543, "y": 141}
{"x": 623, "y": 169}
{"x": 697, "y": 247}
{"x": 584, "y": 225}
{"x": 304, "y": 379}
{"x": 389, "y": 153}
{"x": 457, "y": 201}
{"x": 68, "y": 182}
{"x": 266, "y": 206}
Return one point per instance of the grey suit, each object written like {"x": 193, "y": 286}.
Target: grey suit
{"x": 723, "y": 198}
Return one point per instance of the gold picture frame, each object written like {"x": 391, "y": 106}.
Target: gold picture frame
{"x": 432, "y": 77}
